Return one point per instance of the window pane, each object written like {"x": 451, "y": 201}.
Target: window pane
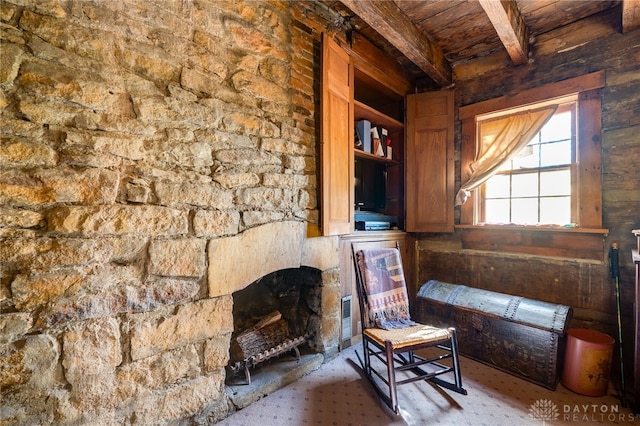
{"x": 557, "y": 153}
{"x": 528, "y": 157}
{"x": 555, "y": 183}
{"x": 556, "y": 210}
{"x": 524, "y": 210}
{"x": 557, "y": 128}
{"x": 497, "y": 186}
{"x": 505, "y": 167}
{"x": 524, "y": 185}
{"x": 497, "y": 211}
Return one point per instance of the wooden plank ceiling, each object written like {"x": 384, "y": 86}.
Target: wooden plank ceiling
{"x": 429, "y": 38}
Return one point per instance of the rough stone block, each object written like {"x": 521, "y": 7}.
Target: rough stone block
{"x": 30, "y": 291}
{"x": 118, "y": 299}
{"x": 181, "y": 401}
{"x": 157, "y": 372}
{"x": 19, "y": 218}
{"x": 236, "y": 180}
{"x": 194, "y": 194}
{"x": 90, "y": 347}
{"x": 285, "y": 146}
{"x": 119, "y": 220}
{"x": 198, "y": 81}
{"x": 125, "y": 146}
{"x": 307, "y": 200}
{"x": 298, "y": 163}
{"x": 138, "y": 192}
{"x": 246, "y": 157}
{"x": 267, "y": 198}
{"x": 252, "y": 39}
{"x": 10, "y": 59}
{"x": 30, "y": 367}
{"x": 241, "y": 122}
{"x": 253, "y": 218}
{"x": 24, "y": 153}
{"x": 285, "y": 180}
{"x": 48, "y": 111}
{"x": 47, "y": 253}
{"x": 182, "y": 156}
{"x": 213, "y": 224}
{"x": 147, "y": 60}
{"x": 179, "y": 258}
{"x": 61, "y": 185}
{"x": 193, "y": 322}
{"x": 216, "y": 353}
{"x": 260, "y": 87}
{"x": 14, "y": 325}
{"x": 91, "y": 353}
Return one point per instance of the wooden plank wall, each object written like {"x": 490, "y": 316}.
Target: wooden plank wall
{"x": 594, "y": 44}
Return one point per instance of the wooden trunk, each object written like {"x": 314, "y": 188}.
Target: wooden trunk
{"x": 523, "y": 337}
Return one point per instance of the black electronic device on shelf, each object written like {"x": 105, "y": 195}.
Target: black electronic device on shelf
{"x": 370, "y": 185}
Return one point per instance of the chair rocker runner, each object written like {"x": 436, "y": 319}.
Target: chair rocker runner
{"x": 389, "y": 336}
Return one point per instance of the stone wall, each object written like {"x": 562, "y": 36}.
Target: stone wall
{"x": 136, "y": 135}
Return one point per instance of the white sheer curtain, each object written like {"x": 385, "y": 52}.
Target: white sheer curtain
{"x": 499, "y": 140}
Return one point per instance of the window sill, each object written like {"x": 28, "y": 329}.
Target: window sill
{"x": 575, "y": 243}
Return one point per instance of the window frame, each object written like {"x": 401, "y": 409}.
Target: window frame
{"x": 583, "y": 241}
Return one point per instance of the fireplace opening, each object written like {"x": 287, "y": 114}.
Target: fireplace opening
{"x": 276, "y": 316}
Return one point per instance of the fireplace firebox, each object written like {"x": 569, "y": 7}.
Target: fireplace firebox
{"x": 274, "y": 315}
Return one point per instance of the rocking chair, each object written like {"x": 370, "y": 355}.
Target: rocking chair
{"x": 389, "y": 336}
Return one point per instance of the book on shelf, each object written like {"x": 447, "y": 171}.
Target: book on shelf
{"x": 363, "y": 134}
{"x": 379, "y": 135}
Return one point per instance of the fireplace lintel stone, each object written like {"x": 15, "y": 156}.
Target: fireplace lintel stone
{"x": 237, "y": 261}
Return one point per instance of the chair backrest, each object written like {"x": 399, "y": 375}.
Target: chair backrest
{"x": 382, "y": 291}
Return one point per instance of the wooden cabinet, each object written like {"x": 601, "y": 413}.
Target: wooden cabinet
{"x": 359, "y": 85}
{"x": 368, "y": 239}
{"x": 351, "y": 94}
{"x": 419, "y": 177}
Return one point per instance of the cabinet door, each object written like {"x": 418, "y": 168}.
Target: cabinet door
{"x": 429, "y": 163}
{"x": 336, "y": 140}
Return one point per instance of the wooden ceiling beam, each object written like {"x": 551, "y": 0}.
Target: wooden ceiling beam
{"x": 630, "y": 15}
{"x": 509, "y": 24}
{"x": 392, "y": 24}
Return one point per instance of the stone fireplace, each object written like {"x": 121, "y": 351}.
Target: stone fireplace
{"x": 278, "y": 259}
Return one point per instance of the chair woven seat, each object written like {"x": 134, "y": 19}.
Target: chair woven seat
{"x": 409, "y": 336}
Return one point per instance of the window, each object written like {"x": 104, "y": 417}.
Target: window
{"x": 535, "y": 187}
{"x": 545, "y": 196}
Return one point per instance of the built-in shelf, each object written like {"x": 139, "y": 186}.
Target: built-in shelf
{"x": 369, "y": 156}
{"x": 365, "y": 112}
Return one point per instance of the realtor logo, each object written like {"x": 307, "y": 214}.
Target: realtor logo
{"x": 544, "y": 410}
